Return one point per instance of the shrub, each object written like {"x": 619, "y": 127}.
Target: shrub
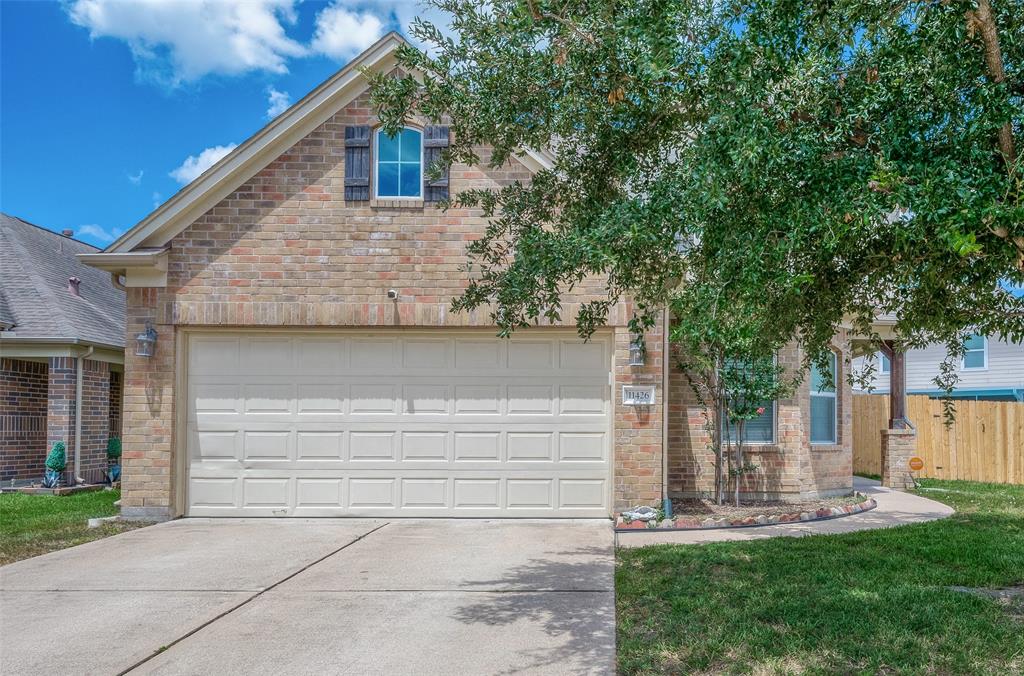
{"x": 113, "y": 449}
{"x": 57, "y": 459}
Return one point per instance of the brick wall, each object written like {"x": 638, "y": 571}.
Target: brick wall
{"x": 23, "y": 389}
{"x": 791, "y": 468}
{"x": 286, "y": 250}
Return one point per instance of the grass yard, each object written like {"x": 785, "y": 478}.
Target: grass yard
{"x": 31, "y": 525}
{"x": 859, "y": 603}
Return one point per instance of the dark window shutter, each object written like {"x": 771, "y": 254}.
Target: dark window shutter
{"x": 357, "y": 163}
{"x": 435, "y": 140}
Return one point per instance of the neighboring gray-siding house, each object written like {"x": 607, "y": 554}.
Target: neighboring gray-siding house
{"x": 992, "y": 369}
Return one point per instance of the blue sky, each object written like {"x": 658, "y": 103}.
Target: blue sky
{"x": 109, "y": 107}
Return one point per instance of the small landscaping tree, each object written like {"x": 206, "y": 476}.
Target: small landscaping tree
{"x": 113, "y": 458}
{"x": 56, "y": 461}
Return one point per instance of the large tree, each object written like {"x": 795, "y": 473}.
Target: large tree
{"x": 793, "y": 164}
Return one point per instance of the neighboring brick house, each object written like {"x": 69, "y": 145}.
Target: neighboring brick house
{"x": 61, "y": 354}
{"x": 307, "y": 362}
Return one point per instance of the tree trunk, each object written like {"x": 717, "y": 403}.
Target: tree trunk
{"x": 982, "y": 20}
{"x": 738, "y": 462}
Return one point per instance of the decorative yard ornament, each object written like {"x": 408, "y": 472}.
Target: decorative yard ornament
{"x": 113, "y": 457}
{"x": 145, "y": 342}
{"x": 56, "y": 461}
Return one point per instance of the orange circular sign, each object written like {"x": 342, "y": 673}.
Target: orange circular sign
{"x": 916, "y": 464}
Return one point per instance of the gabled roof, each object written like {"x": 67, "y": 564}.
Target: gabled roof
{"x": 263, "y": 147}
{"x": 35, "y": 302}
{"x": 155, "y": 231}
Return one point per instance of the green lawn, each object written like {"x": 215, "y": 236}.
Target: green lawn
{"x": 860, "y": 603}
{"x": 31, "y": 525}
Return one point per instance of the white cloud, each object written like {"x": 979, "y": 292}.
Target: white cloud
{"x": 341, "y": 33}
{"x": 277, "y": 102}
{"x": 98, "y": 232}
{"x": 157, "y": 199}
{"x": 136, "y": 179}
{"x": 176, "y": 41}
{"x": 194, "y": 165}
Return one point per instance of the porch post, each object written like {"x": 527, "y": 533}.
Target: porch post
{"x": 899, "y": 442}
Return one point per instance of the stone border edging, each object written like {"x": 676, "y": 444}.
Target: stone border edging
{"x": 692, "y": 523}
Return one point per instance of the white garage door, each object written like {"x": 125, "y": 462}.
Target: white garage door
{"x": 398, "y": 424}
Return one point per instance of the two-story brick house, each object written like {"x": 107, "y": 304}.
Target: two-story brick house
{"x": 307, "y": 363}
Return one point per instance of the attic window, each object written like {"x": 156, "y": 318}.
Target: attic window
{"x": 399, "y": 164}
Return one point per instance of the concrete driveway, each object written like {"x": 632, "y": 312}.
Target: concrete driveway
{"x": 317, "y": 596}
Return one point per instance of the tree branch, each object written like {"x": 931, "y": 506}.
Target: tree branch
{"x": 982, "y": 20}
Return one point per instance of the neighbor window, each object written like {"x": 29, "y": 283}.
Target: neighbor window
{"x": 975, "y": 353}
{"x": 823, "y": 402}
{"x": 884, "y": 365}
{"x": 399, "y": 164}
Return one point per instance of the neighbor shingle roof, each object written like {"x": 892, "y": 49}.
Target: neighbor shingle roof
{"x": 35, "y": 265}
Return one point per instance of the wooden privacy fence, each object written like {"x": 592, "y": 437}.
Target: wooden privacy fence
{"x": 985, "y": 443}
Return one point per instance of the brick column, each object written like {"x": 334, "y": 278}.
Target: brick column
{"x": 60, "y": 406}
{"x": 898, "y": 446}
{"x": 147, "y": 480}
{"x": 638, "y": 431}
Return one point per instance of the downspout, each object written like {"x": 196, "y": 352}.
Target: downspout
{"x": 666, "y": 501}
{"x": 78, "y": 416}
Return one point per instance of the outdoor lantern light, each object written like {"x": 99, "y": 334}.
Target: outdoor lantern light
{"x": 145, "y": 342}
{"x": 636, "y": 350}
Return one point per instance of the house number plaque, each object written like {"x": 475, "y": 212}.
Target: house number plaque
{"x": 637, "y": 395}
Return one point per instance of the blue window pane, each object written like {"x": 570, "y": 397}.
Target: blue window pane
{"x": 823, "y": 420}
{"x": 974, "y": 360}
{"x": 410, "y": 145}
{"x": 410, "y": 180}
{"x": 822, "y": 381}
{"x": 760, "y": 430}
{"x": 975, "y": 343}
{"x": 387, "y": 179}
{"x": 388, "y": 146}
{"x": 886, "y": 367}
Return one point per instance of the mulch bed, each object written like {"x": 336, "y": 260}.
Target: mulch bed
{"x": 707, "y": 508}
{"x": 702, "y": 514}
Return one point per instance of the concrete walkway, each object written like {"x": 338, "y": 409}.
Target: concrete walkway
{"x": 895, "y": 508}
{"x": 318, "y": 596}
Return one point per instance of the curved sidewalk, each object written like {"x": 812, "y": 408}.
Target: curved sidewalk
{"x": 895, "y": 508}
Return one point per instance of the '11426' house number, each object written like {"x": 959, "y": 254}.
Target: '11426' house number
{"x": 637, "y": 395}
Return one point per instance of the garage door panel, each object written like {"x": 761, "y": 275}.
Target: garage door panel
{"x": 371, "y": 446}
{"x": 422, "y": 447}
{"x": 373, "y": 354}
{"x": 426, "y": 399}
{"x": 386, "y": 425}
{"x": 319, "y": 446}
{"x": 321, "y": 398}
{"x": 418, "y": 354}
{"x": 321, "y": 356}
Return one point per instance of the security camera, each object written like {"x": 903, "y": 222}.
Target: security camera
{"x": 392, "y": 294}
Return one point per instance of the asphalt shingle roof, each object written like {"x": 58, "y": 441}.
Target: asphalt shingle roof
{"x": 35, "y": 265}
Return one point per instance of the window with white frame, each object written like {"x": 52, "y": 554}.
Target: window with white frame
{"x": 975, "y": 353}
{"x": 398, "y": 164}
{"x": 823, "y": 402}
{"x": 884, "y": 366}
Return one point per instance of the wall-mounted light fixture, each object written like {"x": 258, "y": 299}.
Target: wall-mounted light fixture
{"x": 145, "y": 342}
{"x": 637, "y": 353}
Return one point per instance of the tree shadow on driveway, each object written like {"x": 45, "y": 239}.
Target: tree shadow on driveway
{"x": 569, "y": 597}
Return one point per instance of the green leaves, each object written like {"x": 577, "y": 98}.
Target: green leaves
{"x": 799, "y": 166}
